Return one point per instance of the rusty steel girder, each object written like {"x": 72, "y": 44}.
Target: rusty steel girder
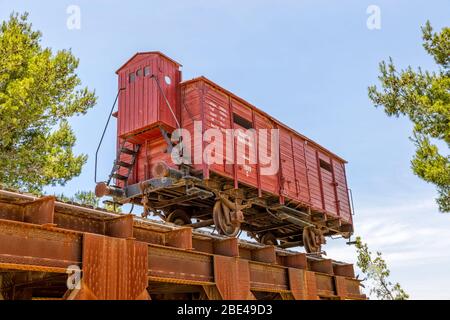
{"x": 33, "y": 247}
{"x": 113, "y": 269}
{"x": 125, "y": 257}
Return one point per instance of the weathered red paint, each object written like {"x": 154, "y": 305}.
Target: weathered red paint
{"x": 141, "y": 104}
{"x": 142, "y": 108}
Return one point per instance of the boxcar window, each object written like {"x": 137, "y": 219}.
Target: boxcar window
{"x": 325, "y": 165}
{"x": 242, "y": 121}
{"x": 168, "y": 80}
{"x": 132, "y": 77}
{"x": 139, "y": 72}
{"x": 147, "y": 71}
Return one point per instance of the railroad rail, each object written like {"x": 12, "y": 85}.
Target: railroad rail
{"x": 45, "y": 242}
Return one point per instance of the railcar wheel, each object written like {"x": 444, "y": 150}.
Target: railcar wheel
{"x": 269, "y": 239}
{"x": 222, "y": 220}
{"x": 179, "y": 217}
{"x": 312, "y": 239}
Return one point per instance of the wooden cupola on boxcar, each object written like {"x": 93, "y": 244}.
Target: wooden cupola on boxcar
{"x": 149, "y": 97}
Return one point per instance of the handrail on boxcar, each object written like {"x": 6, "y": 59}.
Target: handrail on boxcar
{"x": 104, "y": 131}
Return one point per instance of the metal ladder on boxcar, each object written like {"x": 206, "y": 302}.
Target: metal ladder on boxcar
{"x": 119, "y": 163}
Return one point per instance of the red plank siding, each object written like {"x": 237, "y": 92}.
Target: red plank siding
{"x": 142, "y": 108}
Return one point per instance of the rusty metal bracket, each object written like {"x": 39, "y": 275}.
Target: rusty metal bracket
{"x": 179, "y": 238}
{"x": 298, "y": 261}
{"x": 344, "y": 270}
{"x": 113, "y": 269}
{"x": 226, "y": 247}
{"x": 297, "y": 283}
{"x": 232, "y": 278}
{"x": 120, "y": 227}
{"x": 311, "y": 285}
{"x": 266, "y": 254}
{"x": 201, "y": 193}
{"x": 40, "y": 211}
{"x": 322, "y": 266}
{"x": 341, "y": 287}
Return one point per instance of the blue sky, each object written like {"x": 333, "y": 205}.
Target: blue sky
{"x": 308, "y": 63}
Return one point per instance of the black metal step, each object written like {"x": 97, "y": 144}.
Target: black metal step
{"x": 128, "y": 151}
{"x": 124, "y": 164}
{"x": 119, "y": 177}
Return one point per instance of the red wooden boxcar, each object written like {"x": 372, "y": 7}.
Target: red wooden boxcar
{"x": 300, "y": 203}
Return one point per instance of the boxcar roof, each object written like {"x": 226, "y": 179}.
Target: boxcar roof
{"x": 147, "y": 53}
{"x": 210, "y": 82}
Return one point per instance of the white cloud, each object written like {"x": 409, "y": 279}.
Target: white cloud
{"x": 414, "y": 240}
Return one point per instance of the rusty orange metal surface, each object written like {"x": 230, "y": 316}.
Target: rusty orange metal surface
{"x": 37, "y": 246}
{"x": 232, "y": 278}
{"x": 297, "y": 283}
{"x": 124, "y": 257}
{"x": 180, "y": 265}
{"x": 268, "y": 278}
{"x": 40, "y": 211}
{"x": 113, "y": 269}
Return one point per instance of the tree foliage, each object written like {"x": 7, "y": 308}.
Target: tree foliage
{"x": 424, "y": 97}
{"x": 39, "y": 91}
{"x": 88, "y": 198}
{"x": 376, "y": 271}
{"x": 113, "y": 207}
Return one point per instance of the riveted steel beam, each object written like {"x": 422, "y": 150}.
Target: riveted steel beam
{"x": 325, "y": 285}
{"x": 37, "y": 211}
{"x": 113, "y": 269}
{"x": 34, "y": 246}
{"x": 179, "y": 266}
{"x": 268, "y": 277}
{"x": 103, "y": 244}
{"x": 232, "y": 278}
{"x": 311, "y": 285}
{"x": 297, "y": 283}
